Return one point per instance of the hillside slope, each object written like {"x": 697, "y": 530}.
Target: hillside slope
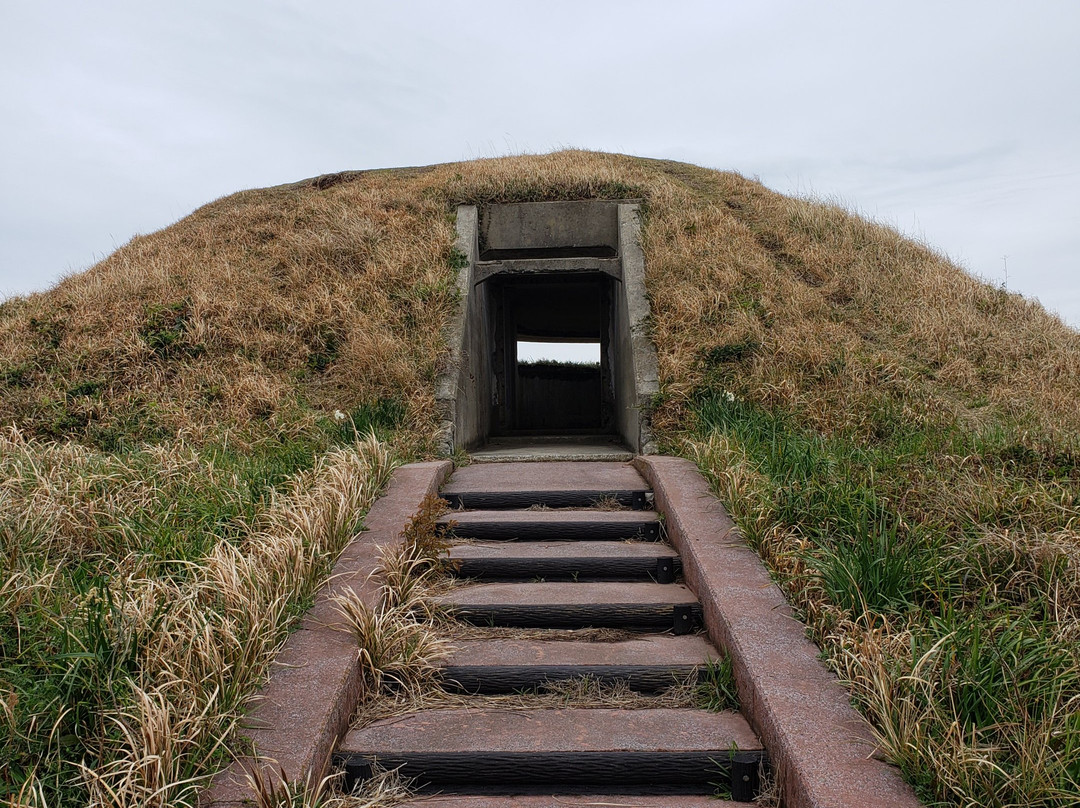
{"x": 899, "y": 440}
{"x": 267, "y": 305}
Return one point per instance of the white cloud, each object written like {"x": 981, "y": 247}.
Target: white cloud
{"x": 955, "y": 121}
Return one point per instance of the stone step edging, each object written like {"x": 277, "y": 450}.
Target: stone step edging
{"x": 820, "y": 748}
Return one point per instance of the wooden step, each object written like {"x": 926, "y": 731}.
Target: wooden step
{"x": 571, "y": 751}
{"x": 568, "y": 801}
{"x": 583, "y": 560}
{"x": 646, "y": 664}
{"x": 633, "y": 606}
{"x": 637, "y": 499}
{"x": 556, "y": 485}
{"x": 567, "y": 525}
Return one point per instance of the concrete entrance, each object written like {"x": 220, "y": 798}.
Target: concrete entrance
{"x": 549, "y": 272}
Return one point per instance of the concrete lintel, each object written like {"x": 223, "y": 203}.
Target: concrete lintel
{"x": 823, "y": 751}
{"x": 315, "y": 685}
{"x": 580, "y": 223}
{"x": 543, "y": 266}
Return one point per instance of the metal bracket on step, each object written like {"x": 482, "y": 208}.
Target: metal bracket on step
{"x": 745, "y": 776}
{"x": 638, "y": 500}
{"x": 683, "y": 616}
{"x": 665, "y": 571}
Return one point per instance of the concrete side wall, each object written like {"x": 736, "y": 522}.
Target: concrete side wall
{"x": 633, "y": 357}
{"x": 540, "y": 225}
{"x": 463, "y": 389}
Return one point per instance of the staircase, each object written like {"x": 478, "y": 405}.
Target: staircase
{"x": 556, "y": 548}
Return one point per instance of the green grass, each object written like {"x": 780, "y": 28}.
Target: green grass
{"x": 908, "y": 537}
{"x": 73, "y": 639}
{"x": 69, "y": 653}
{"x": 716, "y": 689}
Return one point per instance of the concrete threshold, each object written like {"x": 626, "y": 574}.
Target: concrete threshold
{"x": 537, "y": 448}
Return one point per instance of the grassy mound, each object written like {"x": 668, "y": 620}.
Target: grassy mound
{"x": 899, "y": 440}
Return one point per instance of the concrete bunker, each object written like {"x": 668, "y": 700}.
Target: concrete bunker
{"x": 549, "y": 272}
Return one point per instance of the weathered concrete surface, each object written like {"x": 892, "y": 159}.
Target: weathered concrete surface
{"x": 479, "y": 382}
{"x": 577, "y": 476}
{"x": 314, "y": 683}
{"x": 560, "y": 730}
{"x": 567, "y": 801}
{"x": 463, "y": 388}
{"x": 820, "y": 747}
{"x": 633, "y": 360}
{"x": 546, "y": 225}
{"x": 612, "y": 267}
{"x": 520, "y": 593}
{"x": 691, "y": 649}
{"x": 565, "y": 308}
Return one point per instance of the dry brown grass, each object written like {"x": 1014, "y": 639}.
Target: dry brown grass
{"x": 580, "y": 693}
{"x": 200, "y": 642}
{"x": 833, "y": 312}
{"x": 262, "y": 309}
{"x": 336, "y": 295}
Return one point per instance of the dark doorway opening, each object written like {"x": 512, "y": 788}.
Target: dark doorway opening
{"x": 546, "y": 395}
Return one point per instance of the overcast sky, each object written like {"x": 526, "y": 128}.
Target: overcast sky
{"x": 958, "y": 122}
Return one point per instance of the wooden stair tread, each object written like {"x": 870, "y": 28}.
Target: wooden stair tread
{"x": 652, "y": 650}
{"x": 599, "y": 477}
{"x": 492, "y": 731}
{"x": 570, "y": 524}
{"x": 524, "y": 594}
{"x": 563, "y": 549}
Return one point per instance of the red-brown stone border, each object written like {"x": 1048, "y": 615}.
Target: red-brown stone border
{"x": 314, "y": 685}
{"x": 821, "y": 749}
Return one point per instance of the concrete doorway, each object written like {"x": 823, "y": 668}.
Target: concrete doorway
{"x": 566, "y": 273}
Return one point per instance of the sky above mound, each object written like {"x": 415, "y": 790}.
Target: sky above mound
{"x": 955, "y": 122}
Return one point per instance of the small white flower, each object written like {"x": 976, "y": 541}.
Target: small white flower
{"x": 339, "y": 415}
{"x": 730, "y": 396}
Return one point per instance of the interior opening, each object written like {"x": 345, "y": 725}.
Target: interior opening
{"x": 549, "y": 371}
{"x": 575, "y": 353}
